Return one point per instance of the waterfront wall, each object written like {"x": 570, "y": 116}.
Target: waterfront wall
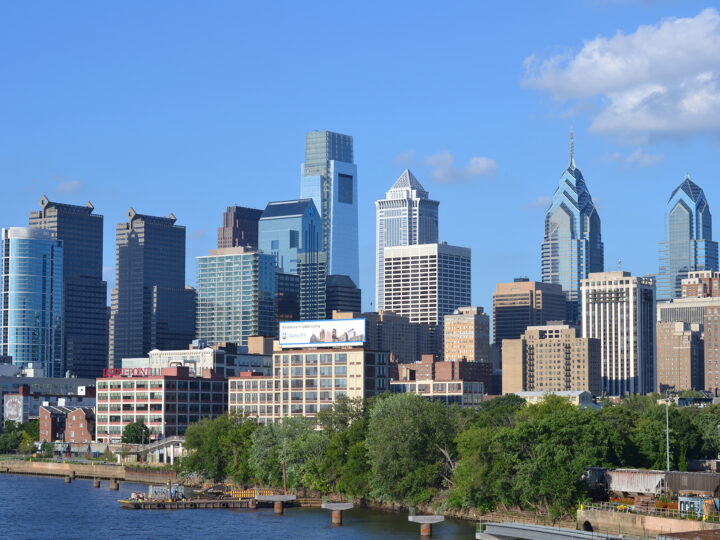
{"x": 77, "y": 470}
{"x": 641, "y": 525}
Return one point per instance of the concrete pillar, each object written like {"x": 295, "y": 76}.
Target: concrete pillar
{"x": 252, "y": 504}
{"x": 72, "y": 475}
{"x": 114, "y": 486}
{"x": 96, "y": 483}
{"x": 68, "y": 479}
{"x": 279, "y": 509}
{"x": 336, "y": 518}
{"x": 425, "y": 530}
{"x": 172, "y": 455}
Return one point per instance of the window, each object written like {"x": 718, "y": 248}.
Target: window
{"x": 294, "y": 239}
{"x": 345, "y": 188}
{"x": 274, "y": 244}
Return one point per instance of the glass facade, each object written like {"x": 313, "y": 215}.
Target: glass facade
{"x": 572, "y": 245}
{"x": 405, "y": 217}
{"x": 688, "y": 244}
{"x": 31, "y": 298}
{"x": 236, "y": 296}
{"x": 329, "y": 178}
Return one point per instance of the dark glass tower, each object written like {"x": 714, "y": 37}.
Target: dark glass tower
{"x": 151, "y": 307}
{"x": 239, "y": 228}
{"x": 85, "y": 345}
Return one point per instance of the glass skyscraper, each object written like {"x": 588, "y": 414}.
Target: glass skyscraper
{"x": 405, "y": 217}
{"x": 236, "y": 295}
{"x": 85, "y": 324}
{"x": 572, "y": 247}
{"x": 291, "y": 231}
{"x": 329, "y": 178}
{"x": 151, "y": 307}
{"x": 688, "y": 244}
{"x": 31, "y": 298}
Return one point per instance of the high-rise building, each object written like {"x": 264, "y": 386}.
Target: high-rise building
{"x": 341, "y": 294}
{"x": 467, "y": 335}
{"x": 619, "y": 309}
{"x": 291, "y": 231}
{"x": 151, "y": 307}
{"x": 688, "y": 244}
{"x": 524, "y": 303}
{"x": 700, "y": 284}
{"x": 329, "y": 178}
{"x": 425, "y": 282}
{"x": 31, "y": 299}
{"x": 572, "y": 246}
{"x": 239, "y": 228}
{"x": 680, "y": 353}
{"x": 711, "y": 327}
{"x": 405, "y": 217}
{"x": 85, "y": 329}
{"x": 236, "y": 296}
{"x": 551, "y": 358}
{"x": 287, "y": 298}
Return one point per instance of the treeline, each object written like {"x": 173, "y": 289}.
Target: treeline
{"x": 19, "y": 437}
{"x": 405, "y": 448}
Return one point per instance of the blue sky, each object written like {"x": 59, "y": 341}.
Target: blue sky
{"x": 188, "y": 107}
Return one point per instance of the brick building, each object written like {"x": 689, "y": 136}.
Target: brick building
{"x": 67, "y": 424}
{"x": 680, "y": 350}
{"x": 167, "y": 403}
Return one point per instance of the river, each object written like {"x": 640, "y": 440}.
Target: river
{"x": 34, "y": 507}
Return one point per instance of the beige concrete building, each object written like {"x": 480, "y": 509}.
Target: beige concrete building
{"x": 712, "y": 349}
{"x": 467, "y": 335}
{"x": 679, "y": 357}
{"x": 551, "y": 358}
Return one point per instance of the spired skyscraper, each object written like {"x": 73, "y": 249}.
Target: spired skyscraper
{"x": 572, "y": 247}
{"x": 329, "y": 178}
{"x": 405, "y": 217}
{"x": 688, "y": 244}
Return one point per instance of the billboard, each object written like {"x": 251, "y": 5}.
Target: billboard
{"x": 328, "y": 333}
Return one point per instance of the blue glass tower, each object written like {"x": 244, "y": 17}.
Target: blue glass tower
{"x": 31, "y": 299}
{"x": 688, "y": 244}
{"x": 329, "y": 178}
{"x": 572, "y": 247}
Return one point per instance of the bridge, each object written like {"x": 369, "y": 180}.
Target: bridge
{"x": 527, "y": 531}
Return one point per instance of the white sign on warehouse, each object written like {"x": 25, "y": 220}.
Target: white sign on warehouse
{"x": 328, "y": 333}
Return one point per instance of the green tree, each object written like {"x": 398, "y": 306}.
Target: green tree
{"x": 136, "y": 433}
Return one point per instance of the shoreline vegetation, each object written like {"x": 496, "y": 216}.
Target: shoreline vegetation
{"x": 402, "y": 450}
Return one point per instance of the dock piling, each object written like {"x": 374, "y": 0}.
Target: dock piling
{"x": 279, "y": 508}
{"x": 114, "y": 486}
{"x": 96, "y": 483}
{"x": 68, "y": 479}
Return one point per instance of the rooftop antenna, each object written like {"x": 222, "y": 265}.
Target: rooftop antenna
{"x": 572, "y": 146}
{"x": 619, "y": 265}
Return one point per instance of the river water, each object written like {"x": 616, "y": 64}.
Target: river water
{"x": 34, "y": 507}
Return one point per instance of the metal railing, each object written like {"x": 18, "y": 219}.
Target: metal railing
{"x": 693, "y": 515}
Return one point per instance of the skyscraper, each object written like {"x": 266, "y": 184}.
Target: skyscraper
{"x": 688, "y": 244}
{"x": 236, "y": 296}
{"x": 85, "y": 341}
{"x": 619, "y": 310}
{"x": 467, "y": 335}
{"x": 151, "y": 307}
{"x": 31, "y": 298}
{"x": 572, "y": 247}
{"x": 329, "y": 178}
{"x": 405, "y": 217}
{"x": 239, "y": 227}
{"x": 291, "y": 231}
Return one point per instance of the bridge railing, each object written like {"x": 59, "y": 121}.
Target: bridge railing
{"x": 692, "y": 515}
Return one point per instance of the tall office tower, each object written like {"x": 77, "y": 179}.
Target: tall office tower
{"x": 239, "y": 227}
{"x": 551, "y": 358}
{"x": 287, "y": 298}
{"x": 85, "y": 341}
{"x": 619, "y": 309}
{"x": 524, "y": 303}
{"x": 341, "y": 294}
{"x": 236, "y": 296}
{"x": 688, "y": 244}
{"x": 425, "y": 282}
{"x": 700, "y": 284}
{"x": 572, "y": 247}
{"x": 31, "y": 298}
{"x": 467, "y": 335}
{"x": 291, "y": 231}
{"x": 150, "y": 306}
{"x": 680, "y": 353}
{"x": 405, "y": 217}
{"x": 329, "y": 178}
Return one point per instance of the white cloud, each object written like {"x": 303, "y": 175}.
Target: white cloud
{"x": 405, "y": 158}
{"x": 68, "y": 186}
{"x": 660, "y": 79}
{"x": 639, "y": 158}
{"x": 444, "y": 170}
{"x": 542, "y": 201}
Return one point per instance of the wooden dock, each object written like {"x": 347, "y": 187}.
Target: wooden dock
{"x": 193, "y": 504}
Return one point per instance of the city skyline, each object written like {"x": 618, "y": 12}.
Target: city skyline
{"x": 467, "y": 161}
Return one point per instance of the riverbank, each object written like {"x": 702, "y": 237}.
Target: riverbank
{"x": 90, "y": 471}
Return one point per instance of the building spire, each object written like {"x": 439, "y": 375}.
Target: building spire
{"x": 572, "y": 147}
